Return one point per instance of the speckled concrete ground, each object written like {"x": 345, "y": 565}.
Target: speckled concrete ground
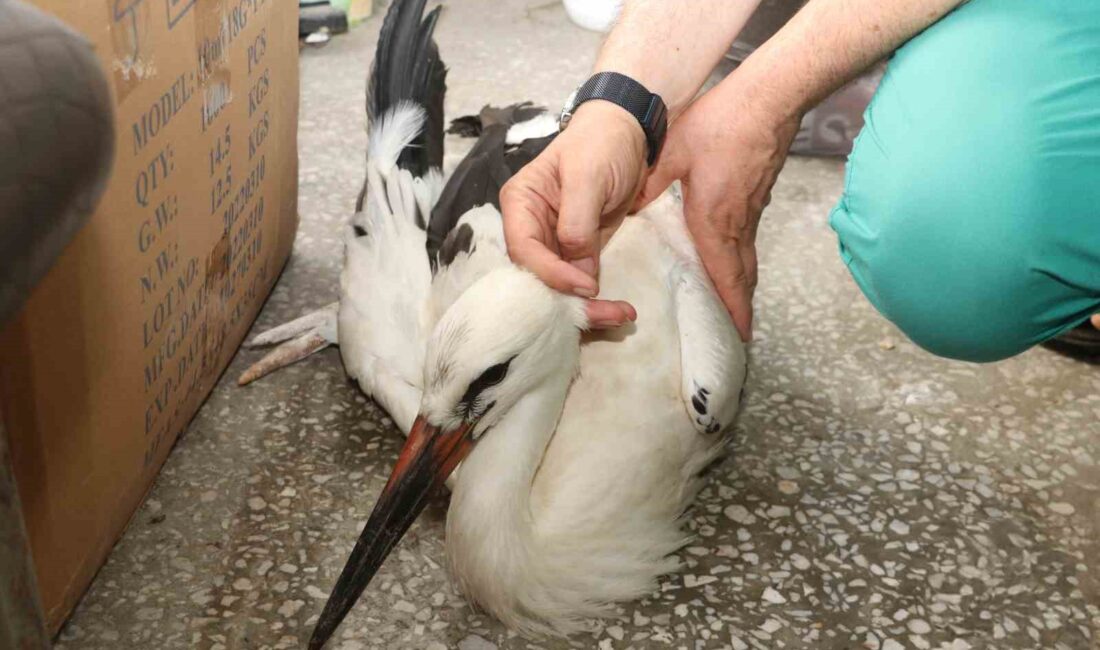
{"x": 876, "y": 497}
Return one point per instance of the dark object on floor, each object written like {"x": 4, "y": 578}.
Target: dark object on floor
{"x": 1081, "y": 342}
{"x": 57, "y": 135}
{"x": 314, "y": 15}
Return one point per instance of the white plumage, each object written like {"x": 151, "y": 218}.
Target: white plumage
{"x": 535, "y": 127}
{"x": 580, "y": 450}
{"x": 573, "y": 500}
{"x": 383, "y": 295}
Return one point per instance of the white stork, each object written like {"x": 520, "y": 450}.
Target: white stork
{"x": 580, "y": 449}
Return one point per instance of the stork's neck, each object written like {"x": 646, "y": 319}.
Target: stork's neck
{"x": 490, "y": 536}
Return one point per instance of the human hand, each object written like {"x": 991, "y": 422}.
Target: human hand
{"x": 726, "y": 150}
{"x": 561, "y": 208}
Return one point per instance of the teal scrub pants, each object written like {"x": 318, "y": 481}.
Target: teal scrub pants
{"x": 971, "y": 210}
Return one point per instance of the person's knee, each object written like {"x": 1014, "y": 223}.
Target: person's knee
{"x": 968, "y": 327}
{"x": 968, "y": 216}
{"x": 940, "y": 239}
{"x": 963, "y": 295}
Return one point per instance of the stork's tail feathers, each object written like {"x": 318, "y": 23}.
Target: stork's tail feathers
{"x": 298, "y": 339}
{"x": 405, "y": 114}
{"x": 407, "y": 69}
{"x": 390, "y": 190}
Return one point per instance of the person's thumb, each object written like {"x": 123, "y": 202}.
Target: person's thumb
{"x": 582, "y": 201}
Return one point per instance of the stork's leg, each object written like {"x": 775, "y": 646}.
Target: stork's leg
{"x": 325, "y": 317}
{"x": 299, "y": 338}
{"x": 712, "y": 355}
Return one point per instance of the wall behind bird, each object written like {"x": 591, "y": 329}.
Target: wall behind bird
{"x": 124, "y": 338}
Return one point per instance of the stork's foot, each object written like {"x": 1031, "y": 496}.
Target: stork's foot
{"x": 700, "y": 403}
{"x": 298, "y": 339}
{"x": 712, "y": 356}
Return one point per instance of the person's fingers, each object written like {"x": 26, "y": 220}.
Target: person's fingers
{"x": 1095, "y": 321}
{"x": 730, "y": 281}
{"x": 531, "y": 253}
{"x": 607, "y": 314}
{"x": 746, "y": 248}
{"x": 583, "y": 196}
{"x": 529, "y": 236}
{"x": 726, "y": 268}
{"x": 552, "y": 270}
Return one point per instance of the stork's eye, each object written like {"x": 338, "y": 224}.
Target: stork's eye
{"x": 492, "y": 376}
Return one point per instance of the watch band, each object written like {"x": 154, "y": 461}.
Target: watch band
{"x": 619, "y": 89}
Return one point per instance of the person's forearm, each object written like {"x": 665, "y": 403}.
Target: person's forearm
{"x": 827, "y": 44}
{"x": 670, "y": 46}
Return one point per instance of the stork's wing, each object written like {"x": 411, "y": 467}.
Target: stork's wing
{"x": 385, "y": 284}
{"x": 508, "y": 138}
{"x": 390, "y": 297}
{"x": 473, "y": 248}
{"x": 384, "y": 320}
{"x": 466, "y": 234}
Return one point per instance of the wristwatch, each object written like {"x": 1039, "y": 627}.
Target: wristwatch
{"x": 619, "y": 89}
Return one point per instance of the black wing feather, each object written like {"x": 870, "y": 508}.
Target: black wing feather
{"x": 470, "y": 126}
{"x": 482, "y": 173}
{"x": 527, "y": 151}
{"x": 476, "y": 181}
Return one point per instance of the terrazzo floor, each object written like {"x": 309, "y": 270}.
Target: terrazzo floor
{"x": 875, "y": 497}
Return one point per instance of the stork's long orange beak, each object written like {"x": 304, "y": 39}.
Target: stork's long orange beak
{"x": 427, "y": 459}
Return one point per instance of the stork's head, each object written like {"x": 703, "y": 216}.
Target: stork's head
{"x": 505, "y": 335}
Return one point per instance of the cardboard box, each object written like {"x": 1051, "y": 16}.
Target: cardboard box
{"x": 121, "y": 342}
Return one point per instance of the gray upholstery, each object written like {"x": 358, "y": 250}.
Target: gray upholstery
{"x": 56, "y": 144}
